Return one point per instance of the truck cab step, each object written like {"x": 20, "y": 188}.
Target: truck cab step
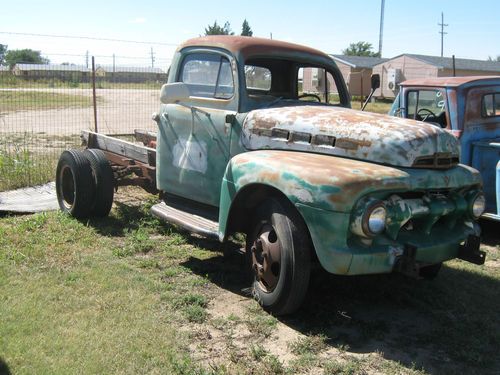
{"x": 187, "y": 220}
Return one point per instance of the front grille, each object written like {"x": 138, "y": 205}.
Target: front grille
{"x": 437, "y": 161}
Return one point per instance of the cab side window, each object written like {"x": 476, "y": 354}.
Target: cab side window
{"x": 491, "y": 105}
{"x": 208, "y": 75}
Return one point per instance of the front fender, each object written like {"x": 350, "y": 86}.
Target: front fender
{"x": 319, "y": 181}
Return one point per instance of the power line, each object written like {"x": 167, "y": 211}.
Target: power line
{"x": 89, "y": 38}
{"x": 442, "y": 24}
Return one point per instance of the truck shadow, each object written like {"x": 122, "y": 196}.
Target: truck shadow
{"x": 4, "y": 369}
{"x": 448, "y": 325}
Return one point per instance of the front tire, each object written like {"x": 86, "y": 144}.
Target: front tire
{"x": 278, "y": 248}
{"x": 74, "y": 184}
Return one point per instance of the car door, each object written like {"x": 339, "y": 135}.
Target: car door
{"x": 195, "y": 133}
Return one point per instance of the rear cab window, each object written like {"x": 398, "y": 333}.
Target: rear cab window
{"x": 490, "y": 106}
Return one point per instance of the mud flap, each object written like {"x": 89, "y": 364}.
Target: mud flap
{"x": 470, "y": 252}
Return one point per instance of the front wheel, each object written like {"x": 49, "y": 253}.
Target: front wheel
{"x": 278, "y": 248}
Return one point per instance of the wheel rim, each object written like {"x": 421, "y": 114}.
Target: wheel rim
{"x": 266, "y": 257}
{"x": 67, "y": 190}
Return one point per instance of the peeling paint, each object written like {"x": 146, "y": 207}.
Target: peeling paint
{"x": 358, "y": 135}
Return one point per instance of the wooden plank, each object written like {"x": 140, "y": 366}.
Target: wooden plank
{"x": 30, "y": 200}
{"x": 117, "y": 146}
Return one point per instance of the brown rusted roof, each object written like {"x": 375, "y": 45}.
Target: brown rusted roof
{"x": 249, "y": 46}
{"x": 447, "y": 81}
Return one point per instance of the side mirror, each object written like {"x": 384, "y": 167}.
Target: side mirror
{"x": 375, "y": 81}
{"x": 174, "y": 92}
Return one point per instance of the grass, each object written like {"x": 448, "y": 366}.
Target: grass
{"x": 11, "y": 81}
{"x": 128, "y": 294}
{"x": 28, "y": 159}
{"x": 379, "y": 106}
{"x": 35, "y": 100}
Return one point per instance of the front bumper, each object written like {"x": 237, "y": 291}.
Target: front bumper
{"x": 341, "y": 253}
{"x": 469, "y": 251}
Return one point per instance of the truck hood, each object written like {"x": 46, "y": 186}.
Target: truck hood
{"x": 353, "y": 134}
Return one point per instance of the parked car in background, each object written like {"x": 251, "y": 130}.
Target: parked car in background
{"x": 469, "y": 108}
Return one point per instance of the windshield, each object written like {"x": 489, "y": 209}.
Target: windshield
{"x": 269, "y": 81}
{"x": 427, "y": 105}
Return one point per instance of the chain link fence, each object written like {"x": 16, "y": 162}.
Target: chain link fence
{"x": 44, "y": 108}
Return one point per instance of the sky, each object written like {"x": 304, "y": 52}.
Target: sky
{"x": 410, "y": 26}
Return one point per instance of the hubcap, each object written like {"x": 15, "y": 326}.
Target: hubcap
{"x": 266, "y": 257}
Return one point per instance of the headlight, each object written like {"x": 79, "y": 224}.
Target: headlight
{"x": 478, "y": 205}
{"x": 374, "y": 219}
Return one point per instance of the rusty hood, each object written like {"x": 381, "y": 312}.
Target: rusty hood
{"x": 349, "y": 133}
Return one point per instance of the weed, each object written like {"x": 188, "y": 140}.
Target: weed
{"x": 304, "y": 362}
{"x": 260, "y": 323}
{"x": 351, "y": 366}
{"x": 258, "y": 352}
{"x": 309, "y": 345}
{"x": 195, "y": 313}
{"x": 136, "y": 241}
{"x": 192, "y": 307}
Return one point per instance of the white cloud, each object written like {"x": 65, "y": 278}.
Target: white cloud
{"x": 138, "y": 20}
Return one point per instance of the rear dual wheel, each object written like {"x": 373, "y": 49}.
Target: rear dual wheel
{"x": 278, "y": 249}
{"x": 84, "y": 183}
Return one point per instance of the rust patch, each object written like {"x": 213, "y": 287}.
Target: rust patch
{"x": 352, "y": 144}
{"x": 251, "y": 46}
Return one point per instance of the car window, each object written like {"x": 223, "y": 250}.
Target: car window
{"x": 208, "y": 75}
{"x": 258, "y": 78}
{"x": 317, "y": 84}
{"x": 427, "y": 105}
{"x": 491, "y": 105}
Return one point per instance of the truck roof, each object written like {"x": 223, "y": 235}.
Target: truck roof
{"x": 451, "y": 81}
{"x": 250, "y": 46}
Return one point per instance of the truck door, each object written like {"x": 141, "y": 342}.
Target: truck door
{"x": 195, "y": 133}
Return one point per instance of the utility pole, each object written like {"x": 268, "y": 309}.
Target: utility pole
{"x": 152, "y": 58}
{"x": 271, "y": 35}
{"x": 442, "y": 24}
{"x": 381, "y": 33}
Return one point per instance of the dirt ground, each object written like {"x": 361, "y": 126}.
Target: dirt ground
{"x": 119, "y": 111}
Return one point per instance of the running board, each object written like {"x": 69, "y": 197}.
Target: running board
{"x": 191, "y": 222}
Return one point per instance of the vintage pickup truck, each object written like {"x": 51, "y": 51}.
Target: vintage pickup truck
{"x": 468, "y": 107}
{"x": 240, "y": 149}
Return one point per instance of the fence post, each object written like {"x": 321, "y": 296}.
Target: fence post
{"x": 93, "y": 94}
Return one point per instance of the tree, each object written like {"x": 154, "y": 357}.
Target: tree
{"x": 360, "y": 49}
{"x": 29, "y": 56}
{"x": 493, "y": 59}
{"x": 3, "y": 50}
{"x": 246, "y": 30}
{"x": 216, "y": 29}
